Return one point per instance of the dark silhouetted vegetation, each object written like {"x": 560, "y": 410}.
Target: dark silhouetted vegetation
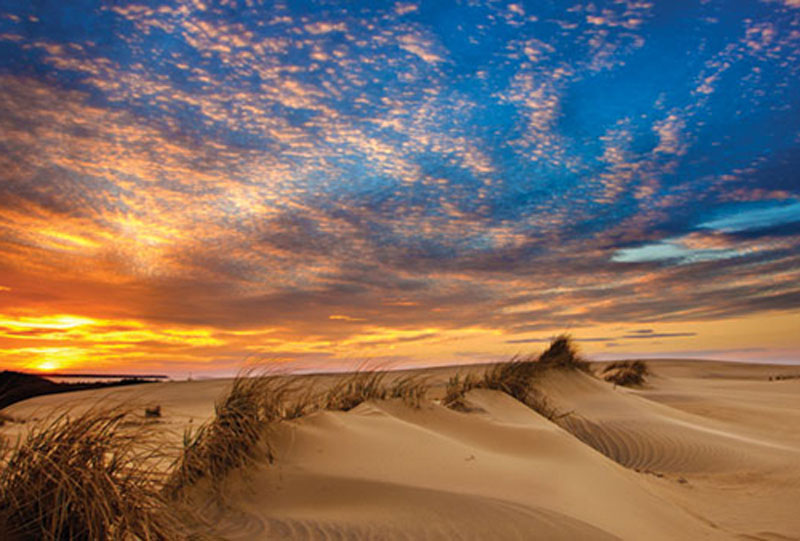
{"x": 626, "y": 373}
{"x": 562, "y": 354}
{"x": 18, "y": 386}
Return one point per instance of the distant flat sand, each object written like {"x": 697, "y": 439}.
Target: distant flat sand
{"x": 706, "y": 450}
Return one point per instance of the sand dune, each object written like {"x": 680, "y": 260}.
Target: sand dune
{"x": 384, "y": 470}
{"x": 692, "y": 455}
{"x": 642, "y": 434}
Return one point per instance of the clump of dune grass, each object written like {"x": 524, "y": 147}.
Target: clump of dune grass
{"x": 626, "y": 373}
{"x": 514, "y": 377}
{"x": 562, "y": 354}
{"x": 412, "y": 390}
{"x": 237, "y": 434}
{"x": 455, "y": 390}
{"x": 88, "y": 476}
{"x": 517, "y": 376}
{"x": 350, "y": 390}
{"x": 299, "y": 404}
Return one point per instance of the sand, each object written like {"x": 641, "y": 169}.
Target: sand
{"x": 705, "y": 450}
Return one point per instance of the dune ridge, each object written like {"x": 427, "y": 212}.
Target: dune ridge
{"x": 652, "y": 461}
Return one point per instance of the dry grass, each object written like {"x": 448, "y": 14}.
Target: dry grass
{"x": 352, "y": 389}
{"x": 517, "y": 379}
{"x": 235, "y": 436}
{"x": 513, "y": 377}
{"x": 412, "y": 390}
{"x": 517, "y": 376}
{"x": 626, "y": 373}
{"x": 90, "y": 476}
{"x": 562, "y": 354}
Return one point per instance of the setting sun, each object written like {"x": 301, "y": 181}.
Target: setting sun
{"x": 47, "y": 366}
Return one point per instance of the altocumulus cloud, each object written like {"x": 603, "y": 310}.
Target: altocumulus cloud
{"x": 247, "y": 172}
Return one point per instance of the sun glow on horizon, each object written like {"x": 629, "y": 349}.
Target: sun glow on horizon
{"x": 56, "y": 322}
{"x": 46, "y": 366}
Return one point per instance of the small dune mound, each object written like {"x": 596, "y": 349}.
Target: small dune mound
{"x": 626, "y": 373}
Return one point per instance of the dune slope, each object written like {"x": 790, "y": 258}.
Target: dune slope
{"x": 723, "y": 448}
{"x": 701, "y": 452}
{"x": 384, "y": 469}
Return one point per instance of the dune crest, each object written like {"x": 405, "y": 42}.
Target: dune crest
{"x": 682, "y": 457}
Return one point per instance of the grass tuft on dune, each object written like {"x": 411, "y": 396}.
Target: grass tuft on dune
{"x": 353, "y": 389}
{"x": 90, "y": 476}
{"x": 626, "y": 373}
{"x": 517, "y": 377}
{"x": 233, "y": 437}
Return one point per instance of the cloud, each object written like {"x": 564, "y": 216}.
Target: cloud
{"x": 670, "y": 250}
{"x": 409, "y": 177}
{"x": 420, "y": 46}
{"x": 659, "y": 335}
{"x": 548, "y": 340}
{"x": 756, "y": 218}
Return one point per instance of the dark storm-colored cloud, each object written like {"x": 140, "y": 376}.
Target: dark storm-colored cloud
{"x": 547, "y": 340}
{"x": 660, "y": 335}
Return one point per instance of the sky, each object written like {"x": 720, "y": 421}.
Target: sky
{"x": 188, "y": 186}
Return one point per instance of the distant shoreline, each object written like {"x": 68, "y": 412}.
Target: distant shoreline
{"x": 18, "y": 386}
{"x": 96, "y": 376}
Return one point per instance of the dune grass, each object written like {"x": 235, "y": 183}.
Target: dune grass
{"x": 626, "y": 373}
{"x": 517, "y": 378}
{"x": 457, "y": 386}
{"x": 350, "y": 390}
{"x": 238, "y": 434}
{"x": 412, "y": 390}
{"x": 90, "y": 476}
{"x": 563, "y": 355}
{"x": 357, "y": 387}
{"x": 235, "y": 436}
